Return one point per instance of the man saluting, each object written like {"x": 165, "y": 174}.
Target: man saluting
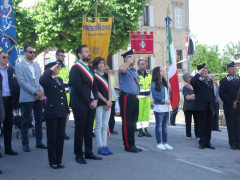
{"x": 129, "y": 104}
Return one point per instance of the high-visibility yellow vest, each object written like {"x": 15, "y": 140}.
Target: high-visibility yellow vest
{"x": 64, "y": 74}
{"x": 145, "y": 84}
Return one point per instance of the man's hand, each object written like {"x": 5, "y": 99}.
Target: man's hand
{"x": 38, "y": 95}
{"x": 93, "y": 104}
{"x": 200, "y": 71}
{"x": 67, "y": 118}
{"x": 235, "y": 105}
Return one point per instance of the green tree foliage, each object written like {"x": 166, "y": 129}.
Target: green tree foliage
{"x": 58, "y": 23}
{"x": 216, "y": 62}
{"x": 211, "y": 57}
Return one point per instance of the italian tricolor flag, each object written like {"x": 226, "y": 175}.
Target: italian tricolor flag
{"x": 172, "y": 70}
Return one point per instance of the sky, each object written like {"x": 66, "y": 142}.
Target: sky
{"x": 215, "y": 22}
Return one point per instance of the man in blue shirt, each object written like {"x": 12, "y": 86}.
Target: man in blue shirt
{"x": 10, "y": 93}
{"x": 129, "y": 104}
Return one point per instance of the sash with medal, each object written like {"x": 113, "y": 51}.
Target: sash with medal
{"x": 86, "y": 71}
{"x": 103, "y": 80}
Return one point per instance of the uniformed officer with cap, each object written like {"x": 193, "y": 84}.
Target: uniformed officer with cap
{"x": 229, "y": 92}
{"x": 129, "y": 104}
{"x": 56, "y": 111}
{"x": 204, "y": 105}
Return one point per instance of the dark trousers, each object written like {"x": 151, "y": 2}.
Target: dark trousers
{"x": 83, "y": 119}
{"x": 205, "y": 126}
{"x": 233, "y": 127}
{"x": 27, "y": 108}
{"x": 188, "y": 120}
{"x": 8, "y": 123}
{"x": 129, "y": 107}
{"x": 173, "y": 116}
{"x": 215, "y": 125}
{"x": 55, "y": 139}
{"x": 111, "y": 122}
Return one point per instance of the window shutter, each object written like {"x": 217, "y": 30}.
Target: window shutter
{"x": 151, "y": 16}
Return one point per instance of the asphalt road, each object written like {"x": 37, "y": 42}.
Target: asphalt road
{"x": 186, "y": 161}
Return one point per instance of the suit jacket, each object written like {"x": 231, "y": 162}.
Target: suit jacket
{"x": 228, "y": 92}
{"x": 81, "y": 88}
{"x": 13, "y": 86}
{"x": 28, "y": 85}
{"x": 56, "y": 105}
{"x": 2, "y": 110}
{"x": 203, "y": 94}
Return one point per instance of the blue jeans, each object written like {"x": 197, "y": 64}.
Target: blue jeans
{"x": 161, "y": 124}
{"x": 101, "y": 118}
{"x": 27, "y": 108}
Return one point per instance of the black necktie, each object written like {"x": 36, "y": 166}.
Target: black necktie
{"x": 206, "y": 82}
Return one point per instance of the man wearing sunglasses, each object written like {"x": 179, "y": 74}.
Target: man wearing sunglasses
{"x": 64, "y": 74}
{"x": 28, "y": 73}
{"x": 9, "y": 89}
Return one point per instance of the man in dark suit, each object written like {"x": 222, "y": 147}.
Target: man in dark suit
{"x": 229, "y": 91}
{"x": 204, "y": 104}
{"x": 10, "y": 94}
{"x": 83, "y": 100}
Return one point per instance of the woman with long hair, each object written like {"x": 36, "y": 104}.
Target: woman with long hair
{"x": 161, "y": 107}
{"x": 104, "y": 105}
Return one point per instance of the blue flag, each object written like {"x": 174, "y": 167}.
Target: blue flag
{"x": 8, "y": 40}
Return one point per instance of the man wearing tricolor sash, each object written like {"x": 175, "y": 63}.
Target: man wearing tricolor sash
{"x": 129, "y": 104}
{"x": 83, "y": 100}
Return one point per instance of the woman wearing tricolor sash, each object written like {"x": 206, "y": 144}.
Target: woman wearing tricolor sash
{"x": 104, "y": 105}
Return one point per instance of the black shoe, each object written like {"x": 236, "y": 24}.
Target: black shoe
{"x": 26, "y": 148}
{"x": 66, "y": 137}
{"x": 92, "y": 156}
{"x": 54, "y": 166}
{"x": 140, "y": 133}
{"x": 41, "y": 146}
{"x": 0, "y": 171}
{"x": 173, "y": 125}
{"x": 138, "y": 149}
{"x": 11, "y": 152}
{"x": 146, "y": 133}
{"x": 114, "y": 132}
{"x": 210, "y": 146}
{"x": 216, "y": 130}
{"x": 0, "y": 155}
{"x": 60, "y": 165}
{"x": 132, "y": 149}
{"x": 201, "y": 147}
{"x": 233, "y": 147}
{"x": 238, "y": 147}
{"x": 81, "y": 160}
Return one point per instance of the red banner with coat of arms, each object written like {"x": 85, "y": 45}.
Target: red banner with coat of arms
{"x": 142, "y": 43}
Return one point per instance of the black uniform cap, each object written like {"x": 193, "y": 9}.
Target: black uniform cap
{"x": 130, "y": 52}
{"x": 51, "y": 62}
{"x": 232, "y": 64}
{"x": 201, "y": 66}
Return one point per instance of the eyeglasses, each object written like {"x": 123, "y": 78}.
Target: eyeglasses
{"x": 5, "y": 57}
{"x": 62, "y": 56}
{"x": 31, "y": 52}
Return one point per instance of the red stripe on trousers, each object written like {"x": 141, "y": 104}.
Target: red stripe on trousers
{"x": 125, "y": 121}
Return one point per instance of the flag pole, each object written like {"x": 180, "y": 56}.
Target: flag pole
{"x": 167, "y": 33}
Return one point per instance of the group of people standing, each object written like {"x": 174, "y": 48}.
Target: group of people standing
{"x": 89, "y": 92}
{"x": 201, "y": 100}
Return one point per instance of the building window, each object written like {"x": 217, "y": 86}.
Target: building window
{"x": 179, "y": 58}
{"x": 178, "y": 17}
{"x": 146, "y": 16}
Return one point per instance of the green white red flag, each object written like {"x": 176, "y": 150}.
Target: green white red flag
{"x": 172, "y": 67}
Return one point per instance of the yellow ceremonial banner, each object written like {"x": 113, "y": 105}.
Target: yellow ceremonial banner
{"x": 96, "y": 35}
